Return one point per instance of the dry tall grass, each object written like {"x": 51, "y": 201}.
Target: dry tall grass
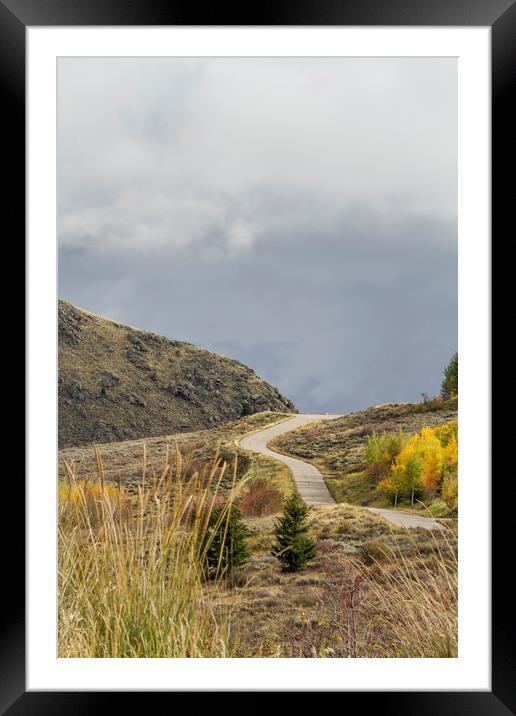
{"x": 416, "y": 602}
{"x": 130, "y": 569}
{"x": 394, "y": 605}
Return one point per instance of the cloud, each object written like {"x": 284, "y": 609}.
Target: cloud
{"x": 159, "y": 151}
{"x": 298, "y": 214}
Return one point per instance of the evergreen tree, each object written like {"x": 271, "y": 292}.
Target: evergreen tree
{"x": 450, "y": 384}
{"x": 224, "y": 543}
{"x": 292, "y": 547}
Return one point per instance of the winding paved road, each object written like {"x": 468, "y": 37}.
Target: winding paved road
{"x": 310, "y": 482}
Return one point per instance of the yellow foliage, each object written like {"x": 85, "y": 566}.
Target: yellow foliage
{"x": 447, "y": 432}
{"x": 450, "y": 490}
{"x": 76, "y": 491}
{"x": 92, "y": 498}
{"x": 452, "y": 452}
{"x": 428, "y": 461}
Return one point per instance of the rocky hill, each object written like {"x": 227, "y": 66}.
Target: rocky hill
{"x": 120, "y": 383}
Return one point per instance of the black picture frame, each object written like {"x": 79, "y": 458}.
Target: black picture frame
{"x": 15, "y": 17}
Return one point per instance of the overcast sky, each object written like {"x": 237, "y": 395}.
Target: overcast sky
{"x": 296, "y": 214}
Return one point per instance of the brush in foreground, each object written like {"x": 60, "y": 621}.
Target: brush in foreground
{"x": 394, "y": 605}
{"x": 131, "y": 568}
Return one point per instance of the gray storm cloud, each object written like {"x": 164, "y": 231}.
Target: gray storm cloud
{"x": 296, "y": 214}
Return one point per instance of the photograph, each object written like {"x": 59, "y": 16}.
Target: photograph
{"x": 255, "y": 243}
{"x": 257, "y": 320}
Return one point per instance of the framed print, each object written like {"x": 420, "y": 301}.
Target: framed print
{"x": 256, "y": 245}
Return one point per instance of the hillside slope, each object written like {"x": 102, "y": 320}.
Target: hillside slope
{"x": 338, "y": 446}
{"x": 120, "y": 383}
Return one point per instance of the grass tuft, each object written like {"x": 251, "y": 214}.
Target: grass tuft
{"x": 130, "y": 568}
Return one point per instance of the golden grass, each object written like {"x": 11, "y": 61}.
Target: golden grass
{"x": 415, "y": 602}
{"x": 130, "y": 581}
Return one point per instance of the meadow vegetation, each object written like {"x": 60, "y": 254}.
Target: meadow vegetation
{"x": 179, "y": 564}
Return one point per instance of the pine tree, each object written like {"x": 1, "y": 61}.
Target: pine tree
{"x": 292, "y": 547}
{"x": 450, "y": 384}
{"x": 224, "y": 546}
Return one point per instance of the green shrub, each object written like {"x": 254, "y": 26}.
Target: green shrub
{"x": 450, "y": 491}
{"x": 439, "y": 508}
{"x": 381, "y": 451}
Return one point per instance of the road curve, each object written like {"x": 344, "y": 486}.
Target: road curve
{"x": 310, "y": 482}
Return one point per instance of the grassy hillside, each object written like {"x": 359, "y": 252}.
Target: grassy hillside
{"x": 118, "y": 383}
{"x": 137, "y": 461}
{"x": 336, "y": 446}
